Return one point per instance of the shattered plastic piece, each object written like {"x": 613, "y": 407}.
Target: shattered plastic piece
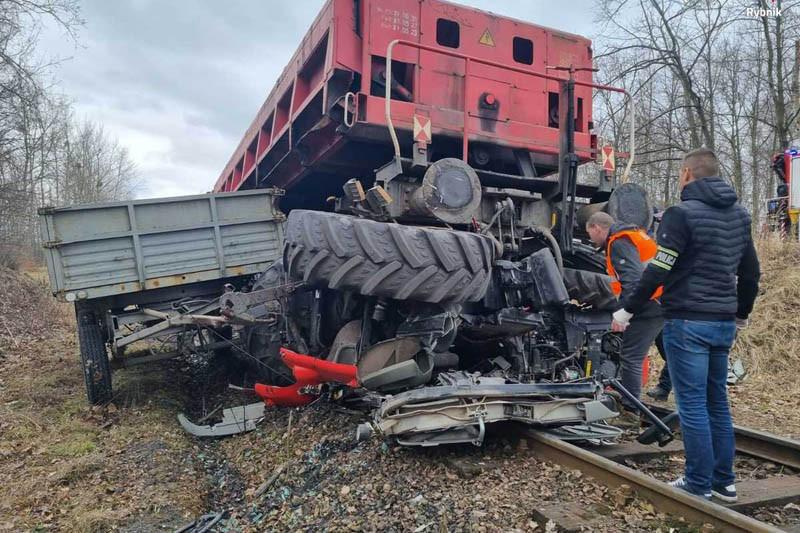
{"x": 314, "y": 371}
{"x": 736, "y": 372}
{"x": 289, "y": 396}
{"x": 234, "y": 420}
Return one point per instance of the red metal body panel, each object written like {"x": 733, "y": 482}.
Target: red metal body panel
{"x": 298, "y": 135}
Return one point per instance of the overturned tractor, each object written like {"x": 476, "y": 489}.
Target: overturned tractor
{"x": 451, "y": 282}
{"x": 441, "y": 330}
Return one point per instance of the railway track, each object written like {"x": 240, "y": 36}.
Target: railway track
{"x": 605, "y": 465}
{"x": 756, "y": 443}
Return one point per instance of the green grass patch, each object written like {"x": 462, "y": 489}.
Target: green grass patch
{"x": 73, "y": 448}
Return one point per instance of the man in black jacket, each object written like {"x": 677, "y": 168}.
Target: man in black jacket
{"x": 626, "y": 245}
{"x": 708, "y": 266}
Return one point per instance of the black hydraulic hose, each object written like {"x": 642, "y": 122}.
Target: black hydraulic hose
{"x": 560, "y": 362}
{"x": 544, "y": 232}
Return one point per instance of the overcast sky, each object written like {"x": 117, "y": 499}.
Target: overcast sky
{"x": 178, "y": 82}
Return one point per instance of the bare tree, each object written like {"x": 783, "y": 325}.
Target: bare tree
{"x": 95, "y": 167}
{"x": 705, "y": 72}
{"x": 46, "y": 157}
{"x": 674, "y": 35}
{"x": 777, "y": 75}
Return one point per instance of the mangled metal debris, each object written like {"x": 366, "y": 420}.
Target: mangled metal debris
{"x": 439, "y": 332}
{"x": 459, "y": 410}
{"x": 203, "y": 524}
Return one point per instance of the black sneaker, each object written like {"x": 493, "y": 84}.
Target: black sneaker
{"x": 658, "y": 393}
{"x": 726, "y": 494}
{"x": 681, "y": 484}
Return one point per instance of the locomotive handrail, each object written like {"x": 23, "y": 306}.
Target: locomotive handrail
{"x": 348, "y": 97}
{"x": 468, "y": 59}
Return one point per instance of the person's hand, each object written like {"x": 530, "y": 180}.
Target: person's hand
{"x": 621, "y": 319}
{"x": 741, "y": 323}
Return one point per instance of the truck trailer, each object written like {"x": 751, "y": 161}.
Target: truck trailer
{"x": 135, "y": 270}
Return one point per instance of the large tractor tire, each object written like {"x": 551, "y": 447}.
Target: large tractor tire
{"x": 94, "y": 358}
{"x": 346, "y": 253}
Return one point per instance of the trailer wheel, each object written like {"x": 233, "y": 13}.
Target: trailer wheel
{"x": 346, "y": 253}
{"x": 94, "y": 358}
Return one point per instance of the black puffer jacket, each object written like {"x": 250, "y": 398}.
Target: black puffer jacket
{"x": 706, "y": 259}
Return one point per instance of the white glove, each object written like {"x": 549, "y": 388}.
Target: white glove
{"x": 623, "y": 317}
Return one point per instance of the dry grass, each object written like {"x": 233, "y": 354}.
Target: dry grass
{"x": 770, "y": 345}
{"x": 27, "y": 311}
{"x": 65, "y": 466}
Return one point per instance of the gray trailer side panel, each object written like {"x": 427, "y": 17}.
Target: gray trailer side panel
{"x": 100, "y": 250}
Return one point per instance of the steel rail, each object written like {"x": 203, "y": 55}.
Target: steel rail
{"x": 660, "y": 494}
{"x": 767, "y": 446}
{"x": 760, "y": 444}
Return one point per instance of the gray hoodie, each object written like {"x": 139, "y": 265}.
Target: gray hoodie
{"x": 629, "y": 268}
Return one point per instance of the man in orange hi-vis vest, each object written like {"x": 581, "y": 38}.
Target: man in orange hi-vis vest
{"x": 628, "y": 250}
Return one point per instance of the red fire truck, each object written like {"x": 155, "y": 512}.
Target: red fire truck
{"x": 783, "y": 210}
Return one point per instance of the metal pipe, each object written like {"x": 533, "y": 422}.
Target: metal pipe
{"x": 544, "y": 232}
{"x": 388, "y": 97}
{"x": 642, "y": 408}
{"x": 347, "y": 97}
{"x": 632, "y": 149}
{"x": 465, "y": 141}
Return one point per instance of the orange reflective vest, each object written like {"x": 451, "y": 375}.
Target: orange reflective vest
{"x": 647, "y": 250}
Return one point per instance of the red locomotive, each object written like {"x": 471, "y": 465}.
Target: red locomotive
{"x": 480, "y": 87}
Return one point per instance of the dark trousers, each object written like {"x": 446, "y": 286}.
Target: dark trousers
{"x": 636, "y": 342}
{"x": 664, "y": 382}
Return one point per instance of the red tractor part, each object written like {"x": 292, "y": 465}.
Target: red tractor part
{"x": 308, "y": 371}
{"x": 315, "y": 371}
{"x": 289, "y": 396}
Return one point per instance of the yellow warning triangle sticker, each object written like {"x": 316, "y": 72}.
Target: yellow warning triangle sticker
{"x": 486, "y": 38}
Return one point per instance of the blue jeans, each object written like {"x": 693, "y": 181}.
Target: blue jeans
{"x": 697, "y": 356}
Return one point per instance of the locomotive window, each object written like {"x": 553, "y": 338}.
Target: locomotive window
{"x": 523, "y": 50}
{"x": 447, "y": 33}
